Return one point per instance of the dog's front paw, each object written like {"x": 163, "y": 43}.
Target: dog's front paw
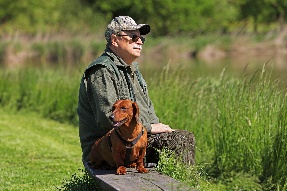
{"x": 142, "y": 170}
{"x": 121, "y": 170}
{"x": 133, "y": 165}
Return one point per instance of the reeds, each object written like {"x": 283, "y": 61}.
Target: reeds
{"x": 52, "y": 49}
{"x": 239, "y": 124}
{"x": 51, "y": 93}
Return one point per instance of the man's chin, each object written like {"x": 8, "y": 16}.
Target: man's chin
{"x": 137, "y": 53}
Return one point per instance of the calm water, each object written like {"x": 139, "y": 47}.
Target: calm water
{"x": 233, "y": 66}
{"x": 239, "y": 66}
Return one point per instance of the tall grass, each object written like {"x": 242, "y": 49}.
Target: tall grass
{"x": 51, "y": 93}
{"x": 247, "y": 119}
{"x": 239, "y": 122}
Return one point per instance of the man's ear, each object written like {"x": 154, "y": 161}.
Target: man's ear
{"x": 114, "y": 40}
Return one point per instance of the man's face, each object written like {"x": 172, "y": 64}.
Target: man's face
{"x": 129, "y": 45}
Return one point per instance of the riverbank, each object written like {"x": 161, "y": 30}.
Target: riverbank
{"x": 239, "y": 126}
{"x": 18, "y": 49}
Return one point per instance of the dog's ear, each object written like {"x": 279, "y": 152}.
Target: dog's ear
{"x": 136, "y": 111}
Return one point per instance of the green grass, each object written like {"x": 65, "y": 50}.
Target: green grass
{"x": 36, "y": 153}
{"x": 239, "y": 123}
{"x": 51, "y": 93}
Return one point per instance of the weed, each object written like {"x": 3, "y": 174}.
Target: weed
{"x": 79, "y": 182}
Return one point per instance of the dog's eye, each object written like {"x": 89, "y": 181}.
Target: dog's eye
{"x": 123, "y": 108}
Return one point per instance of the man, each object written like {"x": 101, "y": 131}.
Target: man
{"x": 114, "y": 76}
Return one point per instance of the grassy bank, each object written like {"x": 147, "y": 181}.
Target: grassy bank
{"x": 36, "y": 153}
{"x": 239, "y": 122}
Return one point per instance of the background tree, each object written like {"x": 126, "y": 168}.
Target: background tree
{"x": 170, "y": 17}
{"x": 277, "y": 12}
{"x": 28, "y": 15}
{"x": 167, "y": 17}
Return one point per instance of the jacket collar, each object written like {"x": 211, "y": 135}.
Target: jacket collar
{"x": 119, "y": 62}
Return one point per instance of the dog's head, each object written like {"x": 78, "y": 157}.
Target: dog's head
{"x": 124, "y": 112}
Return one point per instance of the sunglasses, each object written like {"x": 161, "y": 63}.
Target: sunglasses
{"x": 134, "y": 37}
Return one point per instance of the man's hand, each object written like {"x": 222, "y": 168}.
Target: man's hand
{"x": 160, "y": 128}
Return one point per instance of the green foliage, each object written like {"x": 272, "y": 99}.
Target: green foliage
{"x": 166, "y": 17}
{"x": 264, "y": 12}
{"x": 275, "y": 169}
{"x": 239, "y": 123}
{"x": 3, "y": 48}
{"x": 170, "y": 17}
{"x": 27, "y": 13}
{"x": 248, "y": 113}
{"x": 240, "y": 119}
{"x": 172, "y": 166}
{"x": 79, "y": 182}
{"x": 242, "y": 181}
{"x": 52, "y": 94}
{"x": 33, "y": 16}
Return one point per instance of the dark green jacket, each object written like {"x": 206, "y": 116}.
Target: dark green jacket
{"x": 105, "y": 81}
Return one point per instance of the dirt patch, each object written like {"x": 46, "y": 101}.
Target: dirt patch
{"x": 211, "y": 53}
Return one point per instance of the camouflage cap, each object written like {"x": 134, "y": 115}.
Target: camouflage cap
{"x": 122, "y": 23}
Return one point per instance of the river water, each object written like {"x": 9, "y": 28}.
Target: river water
{"x": 237, "y": 66}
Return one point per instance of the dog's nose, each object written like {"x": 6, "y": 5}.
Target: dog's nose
{"x": 112, "y": 117}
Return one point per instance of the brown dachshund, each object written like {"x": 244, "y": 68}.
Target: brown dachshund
{"x": 125, "y": 145}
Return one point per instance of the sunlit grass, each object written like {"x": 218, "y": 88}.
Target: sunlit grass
{"x": 239, "y": 122}
{"x": 50, "y": 93}
{"x": 36, "y": 154}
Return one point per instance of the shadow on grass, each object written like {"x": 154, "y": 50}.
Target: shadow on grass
{"x": 79, "y": 182}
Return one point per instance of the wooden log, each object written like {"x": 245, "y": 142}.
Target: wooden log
{"x": 107, "y": 180}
